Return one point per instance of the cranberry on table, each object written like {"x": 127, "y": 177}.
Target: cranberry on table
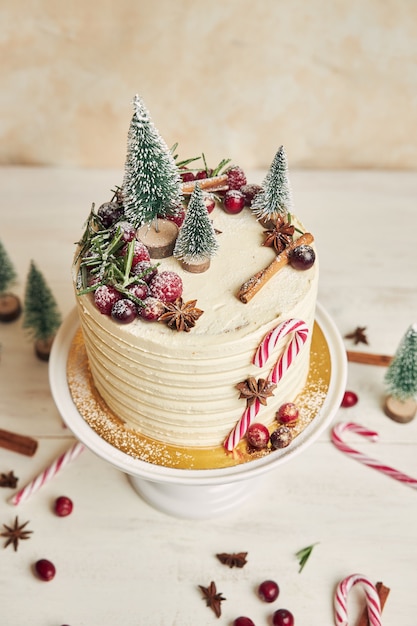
{"x": 257, "y": 436}
{"x": 268, "y": 591}
{"x": 302, "y": 257}
{"x": 63, "y": 506}
{"x": 233, "y": 201}
{"x": 282, "y": 617}
{"x": 349, "y": 399}
{"x": 45, "y": 569}
{"x": 243, "y": 621}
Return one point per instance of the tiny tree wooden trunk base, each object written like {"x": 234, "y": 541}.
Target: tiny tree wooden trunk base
{"x": 402, "y": 411}
{"x": 10, "y": 307}
{"x": 196, "y": 267}
{"x": 43, "y": 348}
{"x": 160, "y": 243}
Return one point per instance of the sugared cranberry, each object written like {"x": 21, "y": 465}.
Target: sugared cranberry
{"x": 105, "y": 297}
{"x": 250, "y": 191}
{"x": 257, "y": 436}
{"x": 243, "y": 621}
{"x": 209, "y": 201}
{"x": 187, "y": 176}
{"x": 152, "y": 309}
{"x": 140, "y": 291}
{"x": 281, "y": 437}
{"x": 288, "y": 413}
{"x": 302, "y": 257}
{"x": 204, "y": 174}
{"x": 124, "y": 311}
{"x": 63, "y": 506}
{"x": 349, "y": 399}
{"x": 45, "y": 569}
{"x": 166, "y": 286}
{"x": 268, "y": 591}
{"x": 233, "y": 201}
{"x": 282, "y": 617}
{"x": 109, "y": 213}
{"x": 145, "y": 270}
{"x": 140, "y": 253}
{"x": 127, "y": 229}
{"x": 236, "y": 177}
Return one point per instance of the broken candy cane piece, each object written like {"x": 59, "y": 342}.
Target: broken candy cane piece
{"x": 372, "y": 600}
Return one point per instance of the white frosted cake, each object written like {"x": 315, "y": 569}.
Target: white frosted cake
{"x": 186, "y": 380}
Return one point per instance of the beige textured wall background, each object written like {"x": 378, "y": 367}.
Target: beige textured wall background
{"x": 335, "y": 81}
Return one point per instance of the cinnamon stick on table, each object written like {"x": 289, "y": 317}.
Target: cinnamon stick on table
{"x": 368, "y": 359}
{"x": 254, "y": 284}
{"x": 18, "y": 443}
{"x": 383, "y": 593}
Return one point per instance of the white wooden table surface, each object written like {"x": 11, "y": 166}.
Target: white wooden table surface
{"x": 120, "y": 562}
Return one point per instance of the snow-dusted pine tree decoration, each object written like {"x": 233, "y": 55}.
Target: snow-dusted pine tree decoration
{"x": 10, "y": 307}
{"x": 275, "y": 199}
{"x": 152, "y": 184}
{"x": 41, "y": 315}
{"x": 401, "y": 375}
{"x": 8, "y": 274}
{"x": 196, "y": 242}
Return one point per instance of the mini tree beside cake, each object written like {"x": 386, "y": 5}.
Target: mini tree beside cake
{"x": 401, "y": 379}
{"x": 10, "y": 306}
{"x": 42, "y": 317}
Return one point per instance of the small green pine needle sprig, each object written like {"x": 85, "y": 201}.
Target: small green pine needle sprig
{"x": 303, "y": 555}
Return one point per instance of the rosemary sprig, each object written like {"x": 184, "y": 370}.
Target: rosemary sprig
{"x": 303, "y": 555}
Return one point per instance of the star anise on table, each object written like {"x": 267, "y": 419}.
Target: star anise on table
{"x": 181, "y": 315}
{"x": 15, "y": 533}
{"x": 252, "y": 389}
{"x": 279, "y": 236}
{"x": 213, "y": 598}
{"x": 8, "y": 480}
{"x": 358, "y": 335}
{"x": 236, "y": 559}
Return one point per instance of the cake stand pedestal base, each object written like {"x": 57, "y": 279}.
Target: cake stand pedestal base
{"x": 194, "y": 501}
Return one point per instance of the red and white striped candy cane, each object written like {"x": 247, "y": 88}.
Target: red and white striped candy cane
{"x": 262, "y": 354}
{"x": 336, "y": 436}
{"x": 372, "y": 600}
{"x": 48, "y": 473}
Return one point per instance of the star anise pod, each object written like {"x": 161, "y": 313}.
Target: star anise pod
{"x": 181, "y": 315}
{"x": 8, "y": 480}
{"x": 358, "y": 335}
{"x": 15, "y": 533}
{"x": 213, "y": 598}
{"x": 236, "y": 559}
{"x": 252, "y": 389}
{"x": 279, "y": 236}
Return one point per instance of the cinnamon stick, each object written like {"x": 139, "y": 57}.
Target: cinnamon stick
{"x": 368, "y": 359}
{"x": 214, "y": 183}
{"x": 383, "y": 593}
{"x": 18, "y": 443}
{"x": 255, "y": 284}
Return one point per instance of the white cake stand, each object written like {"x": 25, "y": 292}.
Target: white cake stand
{"x": 194, "y": 494}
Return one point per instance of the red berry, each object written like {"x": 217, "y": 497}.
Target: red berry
{"x": 250, "y": 191}
{"x": 63, "y": 506}
{"x": 109, "y": 213}
{"x": 140, "y": 253}
{"x": 145, "y": 270}
{"x": 105, "y": 297}
{"x": 166, "y": 286}
{"x": 243, "y": 621}
{"x": 204, "y": 174}
{"x": 302, "y": 257}
{"x": 257, "y": 436}
{"x": 45, "y": 569}
{"x": 268, "y": 591}
{"x": 124, "y": 311}
{"x": 349, "y": 399}
{"x": 140, "y": 290}
{"x": 282, "y": 617}
{"x": 281, "y": 437}
{"x": 127, "y": 229}
{"x": 288, "y": 413}
{"x": 233, "y": 201}
{"x": 209, "y": 201}
{"x": 187, "y": 176}
{"x": 152, "y": 309}
{"x": 236, "y": 177}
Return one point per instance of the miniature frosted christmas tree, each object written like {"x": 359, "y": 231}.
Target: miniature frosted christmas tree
{"x": 196, "y": 242}
{"x": 401, "y": 379}
{"x": 152, "y": 183}
{"x": 10, "y": 306}
{"x": 275, "y": 198}
{"x": 42, "y": 317}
